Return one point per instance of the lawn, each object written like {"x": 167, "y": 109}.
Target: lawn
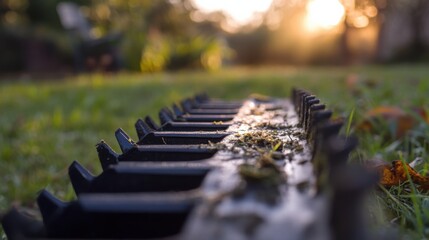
{"x": 45, "y": 125}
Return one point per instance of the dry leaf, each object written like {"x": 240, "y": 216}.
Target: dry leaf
{"x": 396, "y": 173}
{"x": 402, "y": 121}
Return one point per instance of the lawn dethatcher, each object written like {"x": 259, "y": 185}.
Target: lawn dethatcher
{"x": 261, "y": 168}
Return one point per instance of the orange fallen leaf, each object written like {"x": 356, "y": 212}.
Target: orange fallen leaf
{"x": 396, "y": 173}
{"x": 422, "y": 113}
{"x": 401, "y": 120}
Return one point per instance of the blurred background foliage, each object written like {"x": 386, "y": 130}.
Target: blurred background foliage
{"x": 155, "y": 35}
{"x": 174, "y": 34}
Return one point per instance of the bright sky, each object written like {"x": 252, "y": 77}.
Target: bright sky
{"x": 241, "y": 11}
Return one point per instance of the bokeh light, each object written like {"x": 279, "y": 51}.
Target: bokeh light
{"x": 323, "y": 14}
{"x": 241, "y": 12}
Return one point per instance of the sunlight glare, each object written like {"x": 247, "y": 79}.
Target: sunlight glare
{"x": 242, "y": 12}
{"x": 323, "y": 14}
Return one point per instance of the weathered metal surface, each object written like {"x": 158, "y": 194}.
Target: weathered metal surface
{"x": 276, "y": 169}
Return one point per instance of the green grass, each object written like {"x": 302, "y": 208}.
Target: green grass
{"x": 44, "y": 126}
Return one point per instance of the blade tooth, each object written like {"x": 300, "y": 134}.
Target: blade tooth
{"x": 142, "y": 129}
{"x": 177, "y": 111}
{"x": 350, "y": 185}
{"x": 319, "y": 117}
{"x": 314, "y": 108}
{"x": 321, "y": 134}
{"x": 164, "y": 117}
{"x": 299, "y": 96}
{"x": 139, "y": 129}
{"x": 169, "y": 112}
{"x": 186, "y": 105}
{"x": 151, "y": 123}
{"x": 49, "y": 205}
{"x": 106, "y": 155}
{"x": 18, "y": 224}
{"x": 338, "y": 149}
{"x": 303, "y": 111}
{"x": 332, "y": 128}
{"x": 202, "y": 97}
{"x": 125, "y": 142}
{"x": 300, "y": 104}
{"x": 80, "y": 178}
{"x": 309, "y": 102}
{"x": 315, "y": 119}
{"x": 193, "y": 103}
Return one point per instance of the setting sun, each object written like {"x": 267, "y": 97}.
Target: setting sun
{"x": 323, "y": 14}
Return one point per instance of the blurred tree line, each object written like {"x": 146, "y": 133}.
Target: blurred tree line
{"x": 371, "y": 31}
{"x": 156, "y": 35}
{"x": 172, "y": 34}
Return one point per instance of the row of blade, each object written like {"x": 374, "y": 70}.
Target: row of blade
{"x": 346, "y": 184}
{"x": 148, "y": 190}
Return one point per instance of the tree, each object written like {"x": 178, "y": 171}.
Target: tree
{"x": 405, "y": 21}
